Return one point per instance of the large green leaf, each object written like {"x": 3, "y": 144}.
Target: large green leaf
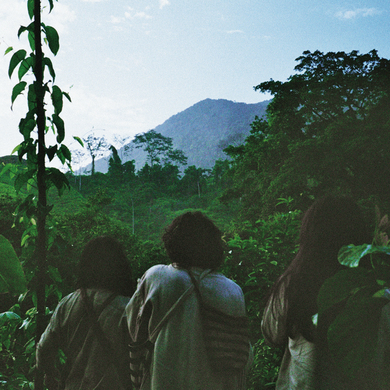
{"x": 17, "y": 90}
{"x": 352, "y": 337}
{"x": 12, "y": 278}
{"x": 29, "y": 28}
{"x": 65, "y": 152}
{"x": 56, "y": 177}
{"x": 47, "y": 62}
{"x": 26, "y": 126}
{"x": 56, "y": 97}
{"x": 51, "y": 152}
{"x": 24, "y": 67}
{"x": 31, "y": 40}
{"x": 341, "y": 286}
{"x": 351, "y": 255}
{"x": 52, "y": 38}
{"x": 17, "y": 57}
{"x": 60, "y": 126}
{"x": 8, "y": 316}
{"x": 30, "y": 8}
{"x": 22, "y": 178}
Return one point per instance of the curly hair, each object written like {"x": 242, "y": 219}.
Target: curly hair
{"x": 104, "y": 264}
{"x": 192, "y": 239}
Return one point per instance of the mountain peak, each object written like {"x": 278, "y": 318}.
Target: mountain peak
{"x": 203, "y": 130}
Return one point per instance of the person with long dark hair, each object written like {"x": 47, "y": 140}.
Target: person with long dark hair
{"x": 329, "y": 224}
{"x": 88, "y": 324}
{"x": 187, "y": 322}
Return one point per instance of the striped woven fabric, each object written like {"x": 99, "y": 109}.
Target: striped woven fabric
{"x": 227, "y": 339}
{"x": 140, "y": 356}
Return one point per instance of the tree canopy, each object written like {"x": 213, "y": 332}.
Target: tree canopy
{"x": 159, "y": 147}
{"x": 327, "y": 130}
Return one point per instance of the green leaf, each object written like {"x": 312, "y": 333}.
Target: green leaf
{"x": 28, "y": 146}
{"x": 9, "y": 49}
{"x": 8, "y": 316}
{"x": 22, "y": 29}
{"x": 25, "y": 238}
{"x": 341, "y": 286}
{"x": 351, "y": 255}
{"x": 67, "y": 96}
{"x": 56, "y": 177}
{"x": 12, "y": 278}
{"x": 52, "y": 38}
{"x": 51, "y": 152}
{"x": 30, "y": 8}
{"x": 18, "y": 57}
{"x": 6, "y": 168}
{"x": 47, "y": 62}
{"x": 51, "y": 5}
{"x": 65, "y": 156}
{"x": 79, "y": 140}
{"x": 61, "y": 156}
{"x": 56, "y": 97}
{"x": 31, "y": 40}
{"x": 17, "y": 90}
{"x": 60, "y": 126}
{"x": 16, "y": 148}
{"x": 352, "y": 337}
{"x": 24, "y": 67}
{"x": 54, "y": 274}
{"x": 26, "y": 126}
{"x": 66, "y": 152}
{"x": 23, "y": 178}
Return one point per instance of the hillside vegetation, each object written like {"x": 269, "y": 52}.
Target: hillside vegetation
{"x": 326, "y": 132}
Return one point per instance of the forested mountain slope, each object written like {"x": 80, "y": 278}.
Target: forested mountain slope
{"x": 205, "y": 129}
{"x": 202, "y": 131}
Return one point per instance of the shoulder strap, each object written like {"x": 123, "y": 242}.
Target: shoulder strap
{"x": 196, "y": 283}
{"x": 169, "y": 313}
{"x": 180, "y": 301}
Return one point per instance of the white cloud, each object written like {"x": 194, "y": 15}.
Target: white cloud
{"x": 60, "y": 18}
{"x": 163, "y": 3}
{"x": 116, "y": 20}
{"x": 359, "y": 12}
{"x": 235, "y": 32}
{"x": 137, "y": 15}
{"x": 142, "y": 15}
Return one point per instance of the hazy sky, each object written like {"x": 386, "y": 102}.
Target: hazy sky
{"x": 129, "y": 65}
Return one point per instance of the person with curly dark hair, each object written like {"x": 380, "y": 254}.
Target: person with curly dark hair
{"x": 329, "y": 224}
{"x": 88, "y": 324}
{"x": 187, "y": 322}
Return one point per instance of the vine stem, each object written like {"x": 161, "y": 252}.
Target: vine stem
{"x": 42, "y": 200}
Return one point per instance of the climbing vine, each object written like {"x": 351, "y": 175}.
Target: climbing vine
{"x": 42, "y": 95}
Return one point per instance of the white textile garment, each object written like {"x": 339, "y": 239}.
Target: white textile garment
{"x": 179, "y": 359}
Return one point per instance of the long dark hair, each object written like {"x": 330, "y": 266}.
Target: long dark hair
{"x": 330, "y": 223}
{"x": 104, "y": 265}
{"x": 192, "y": 239}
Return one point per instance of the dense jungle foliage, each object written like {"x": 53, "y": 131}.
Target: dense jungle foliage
{"x": 327, "y": 132}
